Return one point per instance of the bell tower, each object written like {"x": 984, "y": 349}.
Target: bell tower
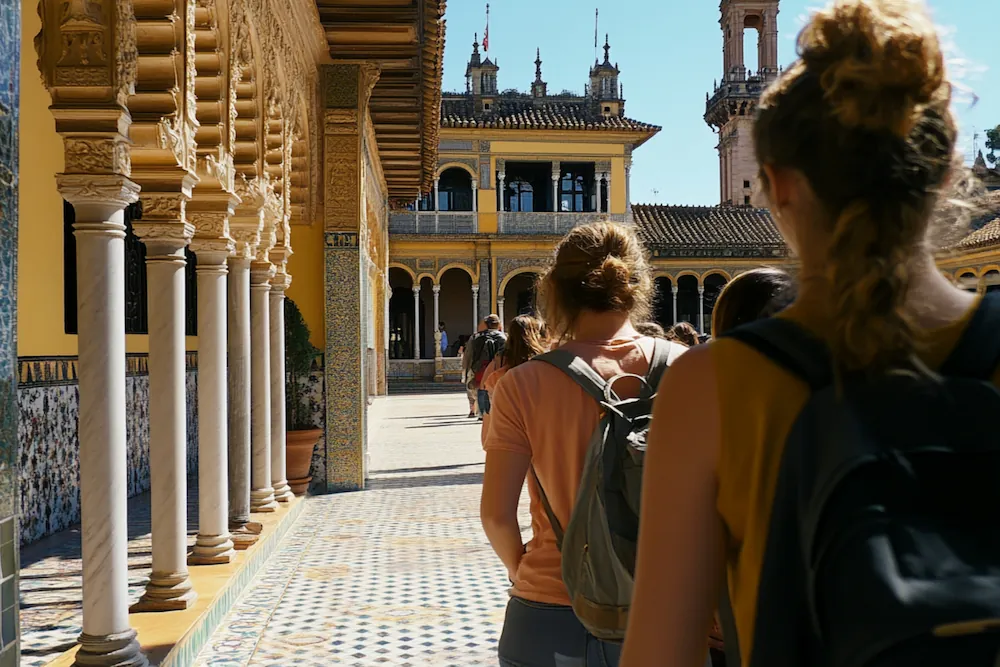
{"x": 731, "y": 106}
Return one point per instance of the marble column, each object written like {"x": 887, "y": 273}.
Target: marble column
{"x": 436, "y": 289}
{"x": 475, "y": 307}
{"x": 437, "y": 199}
{"x": 673, "y": 300}
{"x": 279, "y": 480}
{"x": 243, "y": 531}
{"x": 598, "y": 181}
{"x": 701, "y": 309}
{"x": 169, "y": 587}
{"x": 499, "y": 310}
{"x": 99, "y": 203}
{"x": 607, "y": 189}
{"x": 416, "y": 322}
{"x": 475, "y": 206}
{"x": 261, "y": 491}
{"x": 556, "y": 175}
{"x": 213, "y": 544}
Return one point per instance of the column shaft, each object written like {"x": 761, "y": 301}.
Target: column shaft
{"x": 261, "y": 491}
{"x": 673, "y": 294}
{"x": 437, "y": 321}
{"x": 168, "y": 588}
{"x": 475, "y": 308}
{"x": 499, "y": 310}
{"x": 282, "y": 492}
{"x": 213, "y": 544}
{"x": 701, "y": 309}
{"x": 416, "y": 322}
{"x": 243, "y": 531}
{"x": 107, "y": 637}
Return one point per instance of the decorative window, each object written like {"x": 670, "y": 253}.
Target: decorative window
{"x": 136, "y": 294}
{"x": 520, "y": 196}
{"x": 576, "y": 189}
{"x": 746, "y": 184}
{"x": 455, "y": 190}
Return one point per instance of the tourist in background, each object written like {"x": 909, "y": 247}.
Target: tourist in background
{"x": 525, "y": 339}
{"x": 485, "y": 345}
{"x": 444, "y": 338}
{"x": 651, "y": 329}
{"x": 468, "y": 376}
{"x": 598, "y": 285}
{"x": 684, "y": 333}
{"x": 856, "y": 143}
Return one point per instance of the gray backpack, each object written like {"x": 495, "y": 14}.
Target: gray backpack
{"x": 598, "y": 545}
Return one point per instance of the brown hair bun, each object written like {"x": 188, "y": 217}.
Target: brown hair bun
{"x": 879, "y": 63}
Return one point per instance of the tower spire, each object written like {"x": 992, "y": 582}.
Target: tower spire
{"x": 607, "y": 50}
{"x": 538, "y": 88}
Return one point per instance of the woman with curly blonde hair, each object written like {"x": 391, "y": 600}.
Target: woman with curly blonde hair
{"x": 857, "y": 148}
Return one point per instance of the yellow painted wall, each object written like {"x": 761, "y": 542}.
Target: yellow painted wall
{"x": 306, "y": 268}
{"x": 40, "y": 324}
{"x": 617, "y": 199}
{"x": 554, "y": 148}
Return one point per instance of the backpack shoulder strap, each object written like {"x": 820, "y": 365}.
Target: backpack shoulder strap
{"x": 977, "y": 354}
{"x": 790, "y": 346}
{"x": 665, "y": 353}
{"x": 557, "y": 528}
{"x": 578, "y": 370}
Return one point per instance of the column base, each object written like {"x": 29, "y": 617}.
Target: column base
{"x": 262, "y": 500}
{"x": 283, "y": 492}
{"x": 120, "y": 650}
{"x": 244, "y": 535}
{"x": 212, "y": 550}
{"x": 166, "y": 591}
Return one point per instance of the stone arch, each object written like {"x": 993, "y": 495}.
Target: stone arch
{"x": 460, "y": 165}
{"x": 404, "y": 267}
{"x": 967, "y": 278}
{"x": 456, "y": 265}
{"x": 516, "y": 272}
{"x": 687, "y": 272}
{"x": 246, "y": 82}
{"x": 715, "y": 272}
{"x": 212, "y": 93}
{"x": 420, "y": 277}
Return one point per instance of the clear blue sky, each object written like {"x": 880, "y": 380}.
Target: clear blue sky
{"x": 669, "y": 52}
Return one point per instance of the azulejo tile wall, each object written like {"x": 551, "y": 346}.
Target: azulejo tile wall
{"x": 344, "y": 364}
{"x": 317, "y": 410}
{"x": 10, "y": 62}
{"x": 48, "y": 411}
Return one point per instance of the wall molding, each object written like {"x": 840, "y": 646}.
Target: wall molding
{"x": 62, "y": 370}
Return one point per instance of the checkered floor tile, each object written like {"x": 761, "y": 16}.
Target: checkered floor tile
{"x": 400, "y": 574}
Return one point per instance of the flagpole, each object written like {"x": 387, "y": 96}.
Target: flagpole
{"x": 487, "y": 20}
{"x": 596, "y": 15}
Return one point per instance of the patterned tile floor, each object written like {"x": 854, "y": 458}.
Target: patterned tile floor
{"x": 51, "y": 579}
{"x": 400, "y": 574}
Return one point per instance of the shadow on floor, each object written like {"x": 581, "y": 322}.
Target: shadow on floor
{"x": 421, "y": 481}
{"x": 395, "y": 471}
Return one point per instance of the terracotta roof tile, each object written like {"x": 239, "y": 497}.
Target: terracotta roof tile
{"x": 707, "y": 227}
{"x": 520, "y": 112}
{"x": 985, "y": 226}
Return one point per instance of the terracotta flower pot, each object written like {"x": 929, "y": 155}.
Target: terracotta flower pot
{"x": 299, "y": 446}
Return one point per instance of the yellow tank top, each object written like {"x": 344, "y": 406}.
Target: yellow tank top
{"x": 758, "y": 403}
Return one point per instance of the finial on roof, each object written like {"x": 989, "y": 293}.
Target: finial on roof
{"x": 475, "y": 44}
{"x": 607, "y": 50}
{"x": 538, "y": 65}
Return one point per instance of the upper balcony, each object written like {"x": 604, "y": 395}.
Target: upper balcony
{"x": 736, "y": 95}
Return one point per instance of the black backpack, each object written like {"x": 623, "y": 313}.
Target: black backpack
{"x": 884, "y": 541}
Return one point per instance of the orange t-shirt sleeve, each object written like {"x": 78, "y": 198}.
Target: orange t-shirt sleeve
{"x": 507, "y": 432}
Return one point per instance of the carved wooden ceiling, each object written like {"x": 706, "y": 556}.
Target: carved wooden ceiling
{"x": 406, "y": 39}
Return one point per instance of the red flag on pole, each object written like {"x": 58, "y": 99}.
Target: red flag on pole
{"x": 486, "y": 35}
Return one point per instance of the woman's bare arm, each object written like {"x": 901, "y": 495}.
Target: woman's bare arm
{"x": 681, "y": 537}
{"x": 502, "y": 484}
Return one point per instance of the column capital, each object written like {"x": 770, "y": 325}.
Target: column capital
{"x": 416, "y": 290}
{"x": 475, "y": 289}
{"x": 247, "y": 222}
{"x": 500, "y": 300}
{"x": 674, "y": 289}
{"x": 701, "y": 290}
{"x": 164, "y": 239}
{"x": 280, "y": 282}
{"x": 261, "y": 274}
{"x": 436, "y": 289}
{"x": 475, "y": 183}
{"x": 104, "y": 194}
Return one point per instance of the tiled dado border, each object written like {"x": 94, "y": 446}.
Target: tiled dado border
{"x": 186, "y": 650}
{"x": 51, "y": 371}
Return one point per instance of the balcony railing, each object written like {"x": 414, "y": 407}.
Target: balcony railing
{"x": 434, "y": 222}
{"x": 550, "y": 223}
{"x": 466, "y": 222}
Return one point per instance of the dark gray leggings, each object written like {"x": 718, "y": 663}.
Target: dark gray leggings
{"x": 544, "y": 635}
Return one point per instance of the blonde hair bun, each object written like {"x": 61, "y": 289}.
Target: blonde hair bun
{"x": 879, "y": 63}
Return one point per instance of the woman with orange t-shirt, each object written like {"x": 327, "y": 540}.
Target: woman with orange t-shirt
{"x": 525, "y": 339}
{"x": 598, "y": 285}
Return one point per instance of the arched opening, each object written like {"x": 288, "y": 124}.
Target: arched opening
{"x": 400, "y": 314}
{"x": 426, "y": 343}
{"x": 713, "y": 287}
{"x": 520, "y": 196}
{"x": 687, "y": 300}
{"x": 991, "y": 279}
{"x": 456, "y": 308}
{"x": 519, "y": 296}
{"x": 752, "y": 31}
{"x": 968, "y": 281}
{"x": 455, "y": 190}
{"x": 663, "y": 302}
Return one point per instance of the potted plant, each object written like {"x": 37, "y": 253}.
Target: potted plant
{"x": 302, "y": 436}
